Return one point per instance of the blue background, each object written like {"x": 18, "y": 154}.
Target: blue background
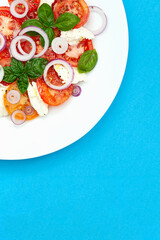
{"x": 106, "y": 186}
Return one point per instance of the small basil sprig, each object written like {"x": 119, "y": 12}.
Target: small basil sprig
{"x": 87, "y": 61}
{"x": 64, "y": 22}
{"x": 33, "y": 69}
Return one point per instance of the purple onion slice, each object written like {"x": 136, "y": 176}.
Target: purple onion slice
{"x": 70, "y": 71}
{"x": 17, "y": 55}
{"x": 13, "y": 10}
{"x": 18, "y": 117}
{"x": 76, "y": 91}
{"x": 59, "y": 45}
{"x": 29, "y": 110}
{"x": 13, "y": 96}
{"x": 42, "y": 33}
{"x": 104, "y": 20}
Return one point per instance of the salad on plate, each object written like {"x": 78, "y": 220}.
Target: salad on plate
{"x": 45, "y": 53}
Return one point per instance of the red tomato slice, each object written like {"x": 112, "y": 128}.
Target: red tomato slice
{"x": 77, "y": 7}
{"x": 74, "y": 53}
{"x": 53, "y": 97}
{"x": 5, "y": 58}
{"x": 9, "y": 26}
{"x": 33, "y": 5}
{"x": 27, "y": 47}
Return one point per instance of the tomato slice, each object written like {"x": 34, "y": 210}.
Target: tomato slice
{"x": 53, "y": 97}
{"x": 5, "y": 58}
{"x": 33, "y": 5}
{"x": 9, "y": 26}
{"x": 27, "y": 47}
{"x": 74, "y": 53}
{"x": 77, "y": 7}
{"x": 24, "y": 102}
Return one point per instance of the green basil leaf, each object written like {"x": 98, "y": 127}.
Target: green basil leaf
{"x": 17, "y": 66}
{"x": 32, "y": 22}
{"x": 87, "y": 61}
{"x": 51, "y": 36}
{"x": 67, "y": 21}
{"x": 34, "y": 68}
{"x": 9, "y": 75}
{"x": 45, "y": 15}
{"x": 23, "y": 83}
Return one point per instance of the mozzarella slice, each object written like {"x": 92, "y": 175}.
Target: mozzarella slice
{"x": 74, "y": 36}
{"x": 49, "y": 2}
{"x": 64, "y": 75}
{"x": 3, "y": 111}
{"x": 36, "y": 101}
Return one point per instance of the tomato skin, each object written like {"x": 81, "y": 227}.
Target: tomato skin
{"x": 53, "y": 97}
{"x": 5, "y": 58}
{"x": 77, "y": 7}
{"x": 33, "y": 4}
{"x": 84, "y": 45}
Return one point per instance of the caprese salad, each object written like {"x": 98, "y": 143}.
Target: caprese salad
{"x": 45, "y": 52}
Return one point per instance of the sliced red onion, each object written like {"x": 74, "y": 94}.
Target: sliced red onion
{"x": 65, "y": 64}
{"x": 20, "y": 48}
{"x": 18, "y": 121}
{"x": 3, "y": 42}
{"x": 59, "y": 45}
{"x": 1, "y": 73}
{"x": 104, "y": 20}
{"x": 18, "y": 56}
{"x": 42, "y": 33}
{"x": 13, "y": 96}
{"x": 13, "y": 10}
{"x": 76, "y": 91}
{"x": 29, "y": 110}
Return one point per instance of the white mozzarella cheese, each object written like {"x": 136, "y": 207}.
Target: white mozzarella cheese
{"x": 36, "y": 101}
{"x": 74, "y": 36}
{"x": 64, "y": 74}
{"x": 3, "y": 111}
{"x": 49, "y": 2}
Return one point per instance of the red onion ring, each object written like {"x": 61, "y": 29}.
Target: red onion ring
{"x": 29, "y": 110}
{"x": 104, "y": 20}
{"x": 18, "y": 121}
{"x": 76, "y": 91}
{"x": 13, "y": 96}
{"x": 13, "y": 11}
{"x": 1, "y": 73}
{"x": 18, "y": 56}
{"x": 3, "y": 42}
{"x": 42, "y": 33}
{"x": 59, "y": 45}
{"x": 65, "y": 64}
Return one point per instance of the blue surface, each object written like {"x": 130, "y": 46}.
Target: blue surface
{"x": 106, "y": 186}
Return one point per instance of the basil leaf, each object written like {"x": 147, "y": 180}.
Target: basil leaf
{"x": 87, "y": 61}
{"x": 9, "y": 76}
{"x": 23, "y": 83}
{"x": 67, "y": 21}
{"x": 32, "y": 22}
{"x": 51, "y": 36}
{"x": 17, "y": 66}
{"x": 45, "y": 15}
{"x": 34, "y": 68}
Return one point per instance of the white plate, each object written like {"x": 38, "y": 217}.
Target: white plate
{"x": 71, "y": 121}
